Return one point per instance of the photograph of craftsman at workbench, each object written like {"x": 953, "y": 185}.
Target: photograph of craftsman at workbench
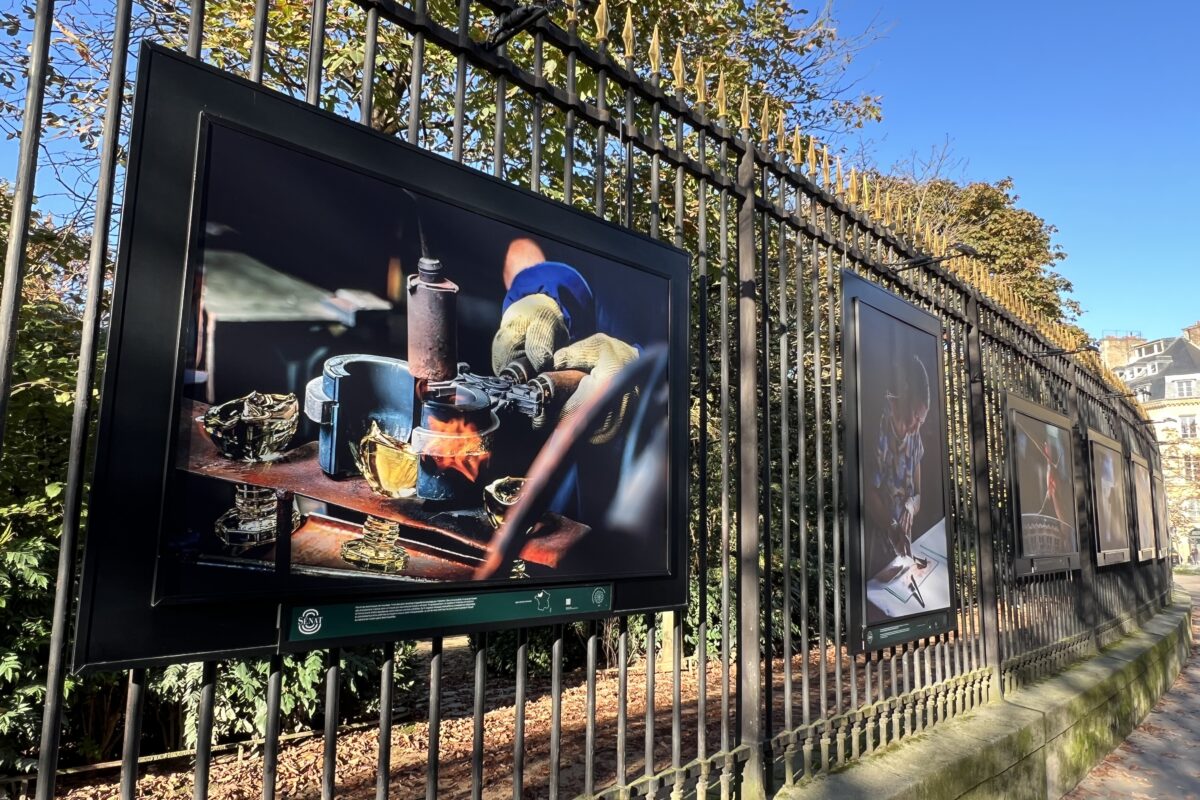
{"x": 379, "y": 382}
{"x": 896, "y": 450}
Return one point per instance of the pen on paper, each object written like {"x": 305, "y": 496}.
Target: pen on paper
{"x": 912, "y": 582}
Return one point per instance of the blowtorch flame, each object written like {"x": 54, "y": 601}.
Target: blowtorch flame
{"x": 457, "y": 446}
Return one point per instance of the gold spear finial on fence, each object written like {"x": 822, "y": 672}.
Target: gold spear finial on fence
{"x": 745, "y": 109}
{"x": 797, "y": 148}
{"x": 812, "y": 157}
{"x": 720, "y": 98}
{"x": 627, "y": 31}
{"x": 852, "y": 193}
{"x": 602, "y": 21}
{"x": 866, "y": 195}
{"x": 655, "y": 53}
{"x": 825, "y": 166}
{"x": 764, "y": 122}
{"x": 781, "y": 134}
{"x": 877, "y": 206}
{"x": 701, "y": 83}
{"x": 841, "y": 182}
{"x": 677, "y": 69}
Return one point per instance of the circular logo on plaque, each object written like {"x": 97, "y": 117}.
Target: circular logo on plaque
{"x": 598, "y": 597}
{"x": 309, "y": 622}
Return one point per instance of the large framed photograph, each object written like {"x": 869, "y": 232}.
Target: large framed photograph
{"x": 1143, "y": 506}
{"x": 1109, "y": 499}
{"x": 1043, "y": 469}
{"x": 1161, "y": 520}
{"x": 898, "y": 498}
{"x": 355, "y": 390}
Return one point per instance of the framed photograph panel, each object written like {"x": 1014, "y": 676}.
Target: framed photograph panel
{"x": 1162, "y": 524}
{"x": 1143, "y": 507}
{"x": 327, "y": 417}
{"x": 1042, "y": 465}
{"x": 1109, "y": 502}
{"x": 896, "y": 469}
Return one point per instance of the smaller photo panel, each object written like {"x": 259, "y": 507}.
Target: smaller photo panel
{"x": 1043, "y": 469}
{"x": 1108, "y": 500}
{"x": 1143, "y": 505}
{"x": 1161, "y": 522}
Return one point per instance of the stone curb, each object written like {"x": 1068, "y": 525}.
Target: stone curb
{"x": 1038, "y": 742}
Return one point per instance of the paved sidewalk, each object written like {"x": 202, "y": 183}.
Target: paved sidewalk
{"x": 1161, "y": 758}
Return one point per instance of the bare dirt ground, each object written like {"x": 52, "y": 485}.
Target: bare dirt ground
{"x": 300, "y": 765}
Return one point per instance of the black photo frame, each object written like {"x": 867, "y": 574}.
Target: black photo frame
{"x": 1110, "y": 508}
{"x": 125, "y": 617}
{"x": 1162, "y": 525}
{"x": 1142, "y": 505}
{"x": 1041, "y": 451}
{"x": 878, "y": 329}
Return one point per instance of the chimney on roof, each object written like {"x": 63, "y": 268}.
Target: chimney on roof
{"x": 1117, "y": 351}
{"x": 1192, "y": 332}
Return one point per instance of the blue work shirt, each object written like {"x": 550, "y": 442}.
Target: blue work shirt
{"x": 565, "y": 286}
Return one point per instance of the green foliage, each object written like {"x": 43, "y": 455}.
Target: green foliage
{"x": 1019, "y": 244}
{"x": 32, "y": 473}
{"x": 240, "y": 709}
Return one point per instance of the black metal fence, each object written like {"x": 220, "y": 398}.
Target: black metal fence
{"x": 772, "y": 690}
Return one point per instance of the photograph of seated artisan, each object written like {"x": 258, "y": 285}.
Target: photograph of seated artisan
{"x": 431, "y": 394}
{"x": 1045, "y": 488}
{"x": 904, "y": 515}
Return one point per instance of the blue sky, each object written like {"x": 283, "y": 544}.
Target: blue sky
{"x": 1092, "y": 108}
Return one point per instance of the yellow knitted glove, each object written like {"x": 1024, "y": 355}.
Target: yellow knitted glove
{"x": 533, "y": 325}
{"x": 602, "y": 357}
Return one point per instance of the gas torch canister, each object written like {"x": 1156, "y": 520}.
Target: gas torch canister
{"x": 432, "y": 323}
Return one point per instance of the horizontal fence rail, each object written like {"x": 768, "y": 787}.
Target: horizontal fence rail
{"x": 757, "y": 684}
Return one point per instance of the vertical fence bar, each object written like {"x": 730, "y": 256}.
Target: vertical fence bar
{"x": 983, "y": 501}
{"x": 383, "y": 767}
{"x": 479, "y": 710}
{"x": 333, "y": 685}
{"x": 648, "y": 751}
{"x": 1086, "y": 586}
{"x": 88, "y": 344}
{"x": 196, "y": 29}
{"x": 367, "y": 97}
{"x": 702, "y": 491}
{"x": 572, "y": 98}
{"x": 271, "y": 740}
{"x": 316, "y": 55}
{"x": 622, "y": 699}
{"x": 134, "y": 700}
{"x": 764, "y": 492}
{"x": 204, "y": 729}
{"x": 435, "y": 718}
{"x": 22, "y": 202}
{"x": 589, "y": 755}
{"x": 726, "y": 523}
{"x": 556, "y": 656}
{"x": 460, "y": 78}
{"x": 415, "y": 77}
{"x": 749, "y": 678}
{"x": 518, "y": 785}
{"x": 258, "y": 49}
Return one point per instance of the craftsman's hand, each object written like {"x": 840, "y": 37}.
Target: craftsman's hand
{"x": 911, "y": 505}
{"x": 533, "y": 325}
{"x": 602, "y": 357}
